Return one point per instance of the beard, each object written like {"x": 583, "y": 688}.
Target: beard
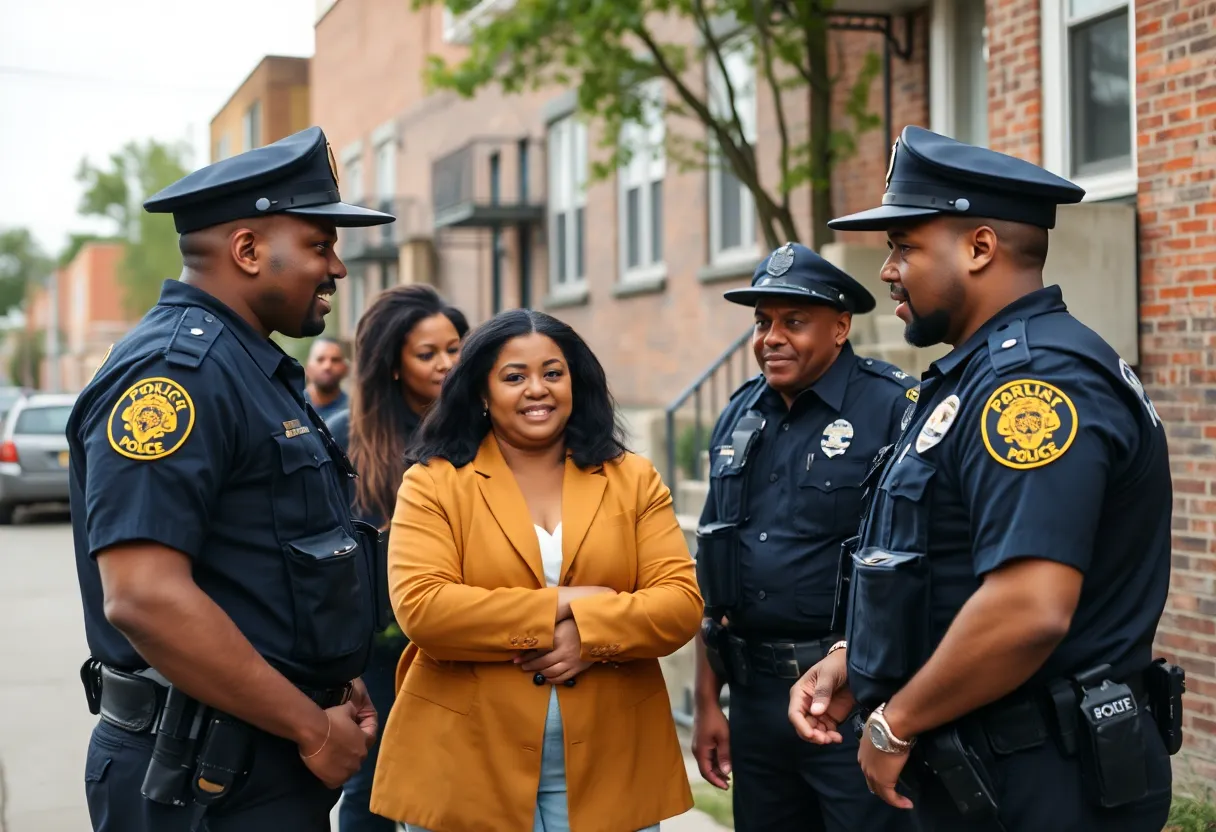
{"x": 927, "y": 330}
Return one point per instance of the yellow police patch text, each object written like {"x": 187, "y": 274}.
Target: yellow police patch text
{"x": 1028, "y": 423}
{"x": 913, "y": 393}
{"x": 151, "y": 420}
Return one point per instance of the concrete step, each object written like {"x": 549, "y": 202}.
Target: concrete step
{"x": 690, "y": 496}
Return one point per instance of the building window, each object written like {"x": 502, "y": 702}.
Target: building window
{"x": 252, "y": 126}
{"x": 958, "y": 56}
{"x": 567, "y": 202}
{"x": 352, "y": 179}
{"x": 732, "y": 208}
{"x": 641, "y": 188}
{"x": 223, "y": 148}
{"x": 1088, "y": 115}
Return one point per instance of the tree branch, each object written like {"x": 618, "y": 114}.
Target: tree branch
{"x": 766, "y": 54}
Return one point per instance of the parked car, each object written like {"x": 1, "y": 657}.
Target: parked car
{"x": 34, "y": 452}
{"x": 9, "y": 396}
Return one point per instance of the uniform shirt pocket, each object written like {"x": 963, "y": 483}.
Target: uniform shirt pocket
{"x": 828, "y": 504}
{"x": 906, "y": 496}
{"x": 300, "y": 484}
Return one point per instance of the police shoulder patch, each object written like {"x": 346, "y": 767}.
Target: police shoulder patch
{"x": 1028, "y": 423}
{"x": 151, "y": 420}
{"x": 913, "y": 393}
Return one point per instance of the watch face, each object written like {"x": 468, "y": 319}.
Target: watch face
{"x": 879, "y": 737}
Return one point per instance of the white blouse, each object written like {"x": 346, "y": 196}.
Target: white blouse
{"x": 551, "y": 553}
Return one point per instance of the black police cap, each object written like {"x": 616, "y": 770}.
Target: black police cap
{"x": 798, "y": 273}
{"x": 295, "y": 175}
{"x": 931, "y": 175}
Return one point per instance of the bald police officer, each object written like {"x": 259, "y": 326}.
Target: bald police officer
{"x": 1015, "y": 559}
{"x": 787, "y": 459}
{"x": 228, "y": 601}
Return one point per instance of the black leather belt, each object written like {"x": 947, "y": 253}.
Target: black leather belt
{"x": 786, "y": 659}
{"x": 133, "y": 701}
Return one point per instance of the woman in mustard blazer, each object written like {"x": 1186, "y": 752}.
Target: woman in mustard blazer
{"x": 539, "y": 572}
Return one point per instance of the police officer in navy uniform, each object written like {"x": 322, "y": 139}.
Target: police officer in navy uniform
{"x": 787, "y": 458}
{"x": 227, "y": 596}
{"x": 1015, "y": 557}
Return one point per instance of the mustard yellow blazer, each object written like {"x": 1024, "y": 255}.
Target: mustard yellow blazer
{"x": 460, "y": 750}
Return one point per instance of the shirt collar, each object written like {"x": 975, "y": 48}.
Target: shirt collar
{"x": 264, "y": 352}
{"x": 829, "y": 387}
{"x": 1039, "y": 302}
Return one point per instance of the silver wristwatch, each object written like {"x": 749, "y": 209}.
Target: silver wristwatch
{"x": 881, "y": 736}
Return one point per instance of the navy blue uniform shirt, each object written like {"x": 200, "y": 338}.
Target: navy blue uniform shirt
{"x": 1033, "y": 439}
{"x": 194, "y": 434}
{"x": 803, "y": 496}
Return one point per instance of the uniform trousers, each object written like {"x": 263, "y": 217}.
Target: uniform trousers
{"x": 781, "y": 783}
{"x": 279, "y": 792}
{"x": 552, "y": 811}
{"x": 1041, "y": 790}
{"x": 354, "y": 815}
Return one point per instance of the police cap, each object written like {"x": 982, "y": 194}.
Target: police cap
{"x": 796, "y": 272}
{"x": 930, "y": 175}
{"x": 295, "y": 175}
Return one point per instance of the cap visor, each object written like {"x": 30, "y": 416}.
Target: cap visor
{"x": 748, "y": 297}
{"x": 344, "y": 215}
{"x": 880, "y": 219}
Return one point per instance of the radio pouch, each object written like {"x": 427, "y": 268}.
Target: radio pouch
{"x": 1111, "y": 745}
{"x": 718, "y": 564}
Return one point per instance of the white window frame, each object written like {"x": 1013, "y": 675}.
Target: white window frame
{"x": 1057, "y": 144}
{"x": 739, "y": 57}
{"x": 251, "y": 125}
{"x": 647, "y": 165}
{"x": 458, "y": 28}
{"x": 567, "y": 159}
{"x": 386, "y": 170}
{"x": 223, "y": 148}
{"x": 947, "y": 65}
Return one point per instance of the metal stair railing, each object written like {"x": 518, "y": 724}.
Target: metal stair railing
{"x": 721, "y": 379}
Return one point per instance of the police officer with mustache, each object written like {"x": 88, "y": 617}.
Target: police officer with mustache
{"x": 787, "y": 458}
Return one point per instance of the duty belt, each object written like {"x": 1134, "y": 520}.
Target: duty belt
{"x": 784, "y": 659}
{"x": 133, "y": 701}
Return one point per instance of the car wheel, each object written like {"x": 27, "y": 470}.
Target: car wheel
{"x": 6, "y": 513}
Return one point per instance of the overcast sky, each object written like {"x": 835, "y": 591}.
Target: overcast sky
{"x": 82, "y": 77}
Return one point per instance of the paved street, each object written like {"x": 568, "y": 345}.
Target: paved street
{"x": 44, "y": 724}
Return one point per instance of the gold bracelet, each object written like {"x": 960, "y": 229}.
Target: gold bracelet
{"x": 328, "y": 730}
{"x": 840, "y": 645}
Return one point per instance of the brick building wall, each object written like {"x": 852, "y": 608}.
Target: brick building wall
{"x": 279, "y": 87}
{"x": 1176, "y": 121}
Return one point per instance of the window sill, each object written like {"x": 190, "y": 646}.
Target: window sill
{"x": 646, "y": 282}
{"x": 1109, "y": 185}
{"x": 566, "y": 296}
{"x": 728, "y": 269}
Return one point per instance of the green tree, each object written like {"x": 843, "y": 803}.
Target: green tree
{"x": 25, "y": 360}
{"x": 22, "y": 263}
{"x": 117, "y": 193}
{"x": 606, "y": 48}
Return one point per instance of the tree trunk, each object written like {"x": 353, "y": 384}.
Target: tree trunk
{"x": 820, "y": 91}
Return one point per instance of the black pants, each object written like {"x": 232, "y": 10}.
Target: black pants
{"x": 279, "y": 794}
{"x": 1040, "y": 790}
{"x": 782, "y": 784}
{"x": 380, "y": 678}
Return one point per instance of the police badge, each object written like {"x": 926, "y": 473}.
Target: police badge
{"x": 333, "y": 163}
{"x": 781, "y": 260}
{"x": 891, "y": 162}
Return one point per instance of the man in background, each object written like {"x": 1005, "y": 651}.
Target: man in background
{"x": 325, "y": 370}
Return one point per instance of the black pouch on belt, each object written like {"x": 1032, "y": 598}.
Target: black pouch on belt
{"x": 374, "y": 544}
{"x": 1111, "y": 742}
{"x": 718, "y": 564}
{"x": 224, "y": 760}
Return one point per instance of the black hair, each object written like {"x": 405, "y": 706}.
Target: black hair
{"x": 377, "y": 408}
{"x": 455, "y": 426}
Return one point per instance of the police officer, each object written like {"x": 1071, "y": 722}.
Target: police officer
{"x": 227, "y": 598}
{"x": 1015, "y": 558}
{"x": 787, "y": 459}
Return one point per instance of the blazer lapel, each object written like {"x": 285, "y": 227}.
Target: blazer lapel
{"x": 582, "y": 492}
{"x": 506, "y": 502}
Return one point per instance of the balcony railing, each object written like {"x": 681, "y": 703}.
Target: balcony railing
{"x": 383, "y": 242}
{"x": 489, "y": 182}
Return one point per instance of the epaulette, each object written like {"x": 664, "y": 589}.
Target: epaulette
{"x": 884, "y": 369}
{"x": 747, "y": 385}
{"x": 1008, "y": 348}
{"x": 197, "y": 330}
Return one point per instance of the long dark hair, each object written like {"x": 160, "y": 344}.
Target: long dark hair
{"x": 378, "y": 413}
{"x": 455, "y": 426}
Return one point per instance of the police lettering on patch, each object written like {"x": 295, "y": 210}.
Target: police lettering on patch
{"x": 1028, "y": 423}
{"x": 913, "y": 393}
{"x": 836, "y": 438}
{"x": 151, "y": 420}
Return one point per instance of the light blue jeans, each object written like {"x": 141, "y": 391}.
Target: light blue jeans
{"x": 552, "y": 813}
